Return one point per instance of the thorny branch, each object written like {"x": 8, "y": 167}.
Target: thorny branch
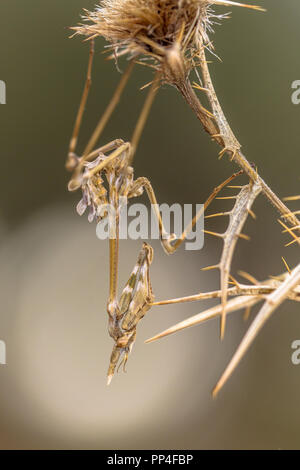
{"x": 172, "y": 36}
{"x": 227, "y": 139}
{"x": 237, "y": 219}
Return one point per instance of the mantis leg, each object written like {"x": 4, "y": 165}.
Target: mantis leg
{"x": 71, "y": 161}
{"x": 108, "y": 111}
{"x": 168, "y": 241}
{"x": 143, "y": 116}
{"x": 76, "y": 180}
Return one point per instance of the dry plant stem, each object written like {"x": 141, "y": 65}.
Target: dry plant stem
{"x": 247, "y": 297}
{"x": 207, "y": 121}
{"x": 220, "y": 131}
{"x": 272, "y": 302}
{"x": 267, "y": 191}
{"x": 232, "y": 305}
{"x": 291, "y": 232}
{"x": 232, "y": 292}
{"x": 238, "y": 217}
{"x": 135, "y": 28}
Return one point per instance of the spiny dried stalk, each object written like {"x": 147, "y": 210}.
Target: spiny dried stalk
{"x": 272, "y": 302}
{"x": 296, "y": 239}
{"x": 237, "y": 219}
{"x": 172, "y": 37}
{"x": 274, "y": 291}
{"x": 246, "y": 296}
{"x": 232, "y": 305}
{"x": 238, "y": 290}
{"x": 172, "y": 34}
{"x": 233, "y": 147}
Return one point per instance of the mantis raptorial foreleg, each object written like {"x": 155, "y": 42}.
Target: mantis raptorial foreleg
{"x": 76, "y": 180}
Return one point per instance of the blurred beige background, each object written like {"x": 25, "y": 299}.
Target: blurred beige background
{"x": 54, "y": 271}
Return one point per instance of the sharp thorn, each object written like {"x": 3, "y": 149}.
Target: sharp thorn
{"x": 286, "y": 265}
{"x": 244, "y": 236}
{"x": 253, "y": 215}
{"x": 210, "y": 268}
{"x": 210, "y": 216}
{"x": 292, "y": 198}
{"x": 198, "y": 87}
{"x": 290, "y": 214}
{"x": 146, "y": 85}
{"x": 216, "y": 135}
{"x": 248, "y": 277}
{"x": 226, "y": 197}
{"x": 234, "y": 281}
{"x": 292, "y": 242}
{"x": 247, "y": 313}
{"x": 297, "y": 227}
{"x": 223, "y": 325}
{"x": 232, "y": 156}
{"x": 214, "y": 234}
{"x": 237, "y": 4}
{"x": 222, "y": 153}
{"x": 209, "y": 114}
{"x": 296, "y": 239}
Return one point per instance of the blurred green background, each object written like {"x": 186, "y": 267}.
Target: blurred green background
{"x": 54, "y": 271}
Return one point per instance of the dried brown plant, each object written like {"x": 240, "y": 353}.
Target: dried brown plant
{"x": 172, "y": 37}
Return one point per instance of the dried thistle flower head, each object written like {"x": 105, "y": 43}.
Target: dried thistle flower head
{"x": 168, "y": 31}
